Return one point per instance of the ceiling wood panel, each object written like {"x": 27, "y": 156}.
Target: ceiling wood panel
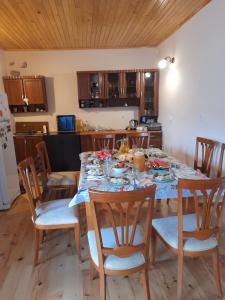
{"x": 91, "y": 24}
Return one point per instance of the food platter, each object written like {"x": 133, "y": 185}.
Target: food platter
{"x": 119, "y": 180}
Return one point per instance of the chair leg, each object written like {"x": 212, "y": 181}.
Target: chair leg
{"x": 179, "y": 276}
{"x": 146, "y": 283}
{"x": 153, "y": 247}
{"x": 36, "y": 245}
{"x": 77, "y": 240}
{"x": 102, "y": 286}
{"x": 216, "y": 268}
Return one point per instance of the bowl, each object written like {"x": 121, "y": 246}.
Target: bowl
{"x": 119, "y": 171}
{"x": 119, "y": 168}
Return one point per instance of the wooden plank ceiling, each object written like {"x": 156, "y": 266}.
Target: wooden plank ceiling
{"x": 91, "y": 24}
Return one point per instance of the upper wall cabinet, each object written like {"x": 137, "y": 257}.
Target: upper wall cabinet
{"x": 26, "y": 94}
{"x": 90, "y": 85}
{"x": 149, "y": 93}
{"x": 109, "y": 88}
{"x": 122, "y": 84}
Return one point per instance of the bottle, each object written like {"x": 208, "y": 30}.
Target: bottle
{"x": 44, "y": 129}
{"x": 139, "y": 160}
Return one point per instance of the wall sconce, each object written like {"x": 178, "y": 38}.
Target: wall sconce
{"x": 163, "y": 63}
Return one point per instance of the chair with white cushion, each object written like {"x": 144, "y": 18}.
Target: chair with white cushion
{"x": 194, "y": 234}
{"x": 53, "y": 179}
{"x": 123, "y": 247}
{"x": 54, "y": 214}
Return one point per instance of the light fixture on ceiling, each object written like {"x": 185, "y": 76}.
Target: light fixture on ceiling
{"x": 163, "y": 63}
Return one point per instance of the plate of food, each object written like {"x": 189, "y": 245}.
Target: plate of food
{"x": 119, "y": 168}
{"x": 158, "y": 164}
{"x": 119, "y": 180}
{"x": 95, "y": 172}
{"x": 164, "y": 178}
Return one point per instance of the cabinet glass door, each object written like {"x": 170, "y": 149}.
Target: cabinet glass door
{"x": 113, "y": 85}
{"x": 149, "y": 93}
{"x": 131, "y": 87}
{"x": 94, "y": 85}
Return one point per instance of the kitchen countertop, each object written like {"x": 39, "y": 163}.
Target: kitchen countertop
{"x": 84, "y": 133}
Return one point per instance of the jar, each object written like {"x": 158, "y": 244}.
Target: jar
{"x": 139, "y": 160}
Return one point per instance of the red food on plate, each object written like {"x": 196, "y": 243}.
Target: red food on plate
{"x": 120, "y": 165}
{"x": 103, "y": 154}
{"x": 157, "y": 164}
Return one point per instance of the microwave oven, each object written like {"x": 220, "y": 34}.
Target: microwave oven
{"x": 66, "y": 123}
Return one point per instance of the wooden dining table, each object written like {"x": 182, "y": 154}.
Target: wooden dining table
{"x": 92, "y": 175}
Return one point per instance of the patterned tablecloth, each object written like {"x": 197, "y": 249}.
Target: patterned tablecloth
{"x": 138, "y": 180}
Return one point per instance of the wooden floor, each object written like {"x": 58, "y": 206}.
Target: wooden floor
{"x": 60, "y": 276}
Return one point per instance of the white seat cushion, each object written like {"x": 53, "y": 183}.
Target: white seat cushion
{"x": 56, "y": 212}
{"x": 113, "y": 262}
{"x": 61, "y": 178}
{"x": 168, "y": 230}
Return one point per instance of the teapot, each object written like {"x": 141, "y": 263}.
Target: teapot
{"x": 124, "y": 148}
{"x": 133, "y": 123}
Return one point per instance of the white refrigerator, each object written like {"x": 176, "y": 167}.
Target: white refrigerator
{"x": 9, "y": 181}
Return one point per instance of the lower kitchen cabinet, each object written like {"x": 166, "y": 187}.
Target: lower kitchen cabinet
{"x": 86, "y": 141}
{"x": 25, "y": 146}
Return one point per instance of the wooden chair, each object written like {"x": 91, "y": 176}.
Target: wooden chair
{"x": 220, "y": 165}
{"x": 194, "y": 234}
{"x": 47, "y": 215}
{"x": 53, "y": 179}
{"x": 123, "y": 248}
{"x": 103, "y": 141}
{"x": 205, "y": 163}
{"x": 207, "y": 148}
{"x": 140, "y": 139}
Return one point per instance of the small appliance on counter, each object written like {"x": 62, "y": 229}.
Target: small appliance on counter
{"x": 150, "y": 122}
{"x": 66, "y": 123}
{"x": 133, "y": 124}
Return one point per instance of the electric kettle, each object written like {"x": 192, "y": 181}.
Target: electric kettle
{"x": 133, "y": 124}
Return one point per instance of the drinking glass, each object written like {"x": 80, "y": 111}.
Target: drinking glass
{"x": 107, "y": 168}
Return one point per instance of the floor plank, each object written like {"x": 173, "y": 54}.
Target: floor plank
{"x": 59, "y": 274}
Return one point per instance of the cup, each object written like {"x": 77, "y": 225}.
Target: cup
{"x": 139, "y": 161}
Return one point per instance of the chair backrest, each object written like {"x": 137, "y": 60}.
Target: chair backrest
{"x": 43, "y": 154}
{"x": 28, "y": 174}
{"x": 140, "y": 139}
{"x": 123, "y": 210}
{"x": 204, "y": 163}
{"x": 103, "y": 141}
{"x": 208, "y": 211}
{"x": 220, "y": 165}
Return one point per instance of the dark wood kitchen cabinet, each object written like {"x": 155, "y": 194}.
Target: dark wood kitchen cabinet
{"x": 90, "y": 85}
{"x": 26, "y": 94}
{"x": 122, "y": 84}
{"x": 149, "y": 93}
{"x": 25, "y": 146}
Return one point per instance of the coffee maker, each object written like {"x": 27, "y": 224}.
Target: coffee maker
{"x": 150, "y": 122}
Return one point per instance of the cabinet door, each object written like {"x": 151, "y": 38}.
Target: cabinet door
{"x": 31, "y": 142}
{"x": 131, "y": 84}
{"x": 83, "y": 85}
{"x": 149, "y": 93}
{"x": 90, "y": 85}
{"x": 113, "y": 84}
{"x": 19, "y": 143}
{"x": 34, "y": 90}
{"x": 14, "y": 91}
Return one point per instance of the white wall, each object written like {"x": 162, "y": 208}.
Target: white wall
{"x": 60, "y": 69}
{"x": 2, "y": 70}
{"x": 192, "y": 91}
